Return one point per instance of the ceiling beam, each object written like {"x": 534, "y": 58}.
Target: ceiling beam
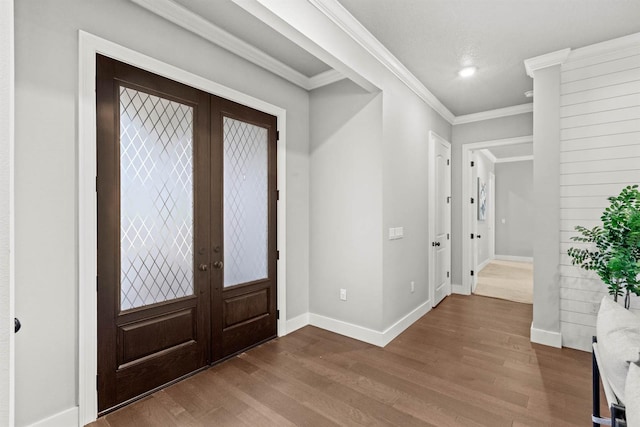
{"x": 194, "y": 23}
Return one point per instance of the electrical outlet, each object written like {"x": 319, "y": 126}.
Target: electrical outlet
{"x": 343, "y": 294}
{"x": 413, "y": 286}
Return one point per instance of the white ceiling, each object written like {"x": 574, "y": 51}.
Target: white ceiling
{"x": 435, "y": 38}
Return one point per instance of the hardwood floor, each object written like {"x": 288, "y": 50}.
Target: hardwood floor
{"x": 468, "y": 362}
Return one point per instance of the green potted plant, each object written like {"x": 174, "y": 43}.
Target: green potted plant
{"x": 615, "y": 251}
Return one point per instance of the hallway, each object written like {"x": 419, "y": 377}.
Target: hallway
{"x": 508, "y": 280}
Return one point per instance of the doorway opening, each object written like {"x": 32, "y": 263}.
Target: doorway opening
{"x": 497, "y": 241}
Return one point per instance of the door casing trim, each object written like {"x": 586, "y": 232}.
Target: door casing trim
{"x": 89, "y": 46}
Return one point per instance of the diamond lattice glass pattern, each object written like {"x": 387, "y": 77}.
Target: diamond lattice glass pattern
{"x": 245, "y": 202}
{"x": 156, "y": 199}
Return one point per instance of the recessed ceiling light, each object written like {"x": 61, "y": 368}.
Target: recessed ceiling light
{"x": 529, "y": 94}
{"x": 467, "y": 71}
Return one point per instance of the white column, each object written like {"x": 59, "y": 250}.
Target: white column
{"x": 545, "y": 70}
{"x": 6, "y": 214}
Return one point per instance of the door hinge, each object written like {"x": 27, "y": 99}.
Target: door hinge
{"x": 473, "y": 163}
{"x": 448, "y": 199}
{"x": 447, "y": 236}
{"x": 447, "y": 274}
{"x": 96, "y": 283}
{"x": 472, "y": 201}
{"x": 448, "y": 162}
{"x": 277, "y": 194}
{"x": 472, "y": 235}
{"x": 277, "y": 135}
{"x": 277, "y": 314}
{"x": 96, "y": 184}
{"x": 277, "y": 254}
{"x": 97, "y": 379}
{"x": 472, "y": 272}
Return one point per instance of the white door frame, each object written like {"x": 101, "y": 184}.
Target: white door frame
{"x": 7, "y": 206}
{"x": 89, "y": 46}
{"x": 468, "y": 209}
{"x": 432, "y": 213}
{"x": 492, "y": 215}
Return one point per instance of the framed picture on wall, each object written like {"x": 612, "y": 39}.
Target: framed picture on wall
{"x": 482, "y": 200}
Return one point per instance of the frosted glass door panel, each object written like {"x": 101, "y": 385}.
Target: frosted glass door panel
{"x": 156, "y": 199}
{"x": 245, "y": 202}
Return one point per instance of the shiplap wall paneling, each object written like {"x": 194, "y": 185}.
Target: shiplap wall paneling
{"x": 599, "y": 155}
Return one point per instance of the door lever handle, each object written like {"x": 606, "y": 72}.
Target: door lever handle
{"x": 203, "y": 267}
{"x": 218, "y": 265}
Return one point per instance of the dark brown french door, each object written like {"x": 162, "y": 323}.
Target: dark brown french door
{"x": 186, "y": 230}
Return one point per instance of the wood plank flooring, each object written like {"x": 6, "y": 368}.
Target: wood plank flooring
{"x": 468, "y": 362}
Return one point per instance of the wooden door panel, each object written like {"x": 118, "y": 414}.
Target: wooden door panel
{"x": 244, "y": 305}
{"x": 151, "y": 336}
{"x": 150, "y": 332}
{"x": 135, "y": 379}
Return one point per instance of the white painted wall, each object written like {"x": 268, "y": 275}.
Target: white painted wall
{"x": 484, "y": 166}
{"x": 6, "y": 207}
{"x": 514, "y": 204}
{"x": 599, "y": 155}
{"x": 485, "y": 130}
{"x": 46, "y": 184}
{"x": 346, "y": 204}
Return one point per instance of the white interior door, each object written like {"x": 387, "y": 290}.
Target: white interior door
{"x": 440, "y": 221}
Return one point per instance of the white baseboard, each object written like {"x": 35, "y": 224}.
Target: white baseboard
{"x": 368, "y": 335}
{"x": 66, "y": 418}
{"x": 514, "y": 258}
{"x": 483, "y": 265}
{"x": 550, "y": 338}
{"x": 459, "y": 289}
{"x": 297, "y": 323}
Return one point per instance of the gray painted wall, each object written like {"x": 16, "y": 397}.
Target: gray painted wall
{"x": 546, "y": 199}
{"x": 486, "y": 130}
{"x": 406, "y": 124}
{"x": 514, "y": 204}
{"x": 346, "y": 204}
{"x": 46, "y": 182}
{"x": 6, "y": 135}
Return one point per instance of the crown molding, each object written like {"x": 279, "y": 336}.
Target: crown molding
{"x": 333, "y": 10}
{"x": 494, "y": 114}
{"x": 324, "y": 79}
{"x": 192, "y": 22}
{"x": 546, "y": 60}
{"x": 621, "y": 43}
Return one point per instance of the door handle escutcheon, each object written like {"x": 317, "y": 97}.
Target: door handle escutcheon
{"x": 218, "y": 265}
{"x": 203, "y": 267}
